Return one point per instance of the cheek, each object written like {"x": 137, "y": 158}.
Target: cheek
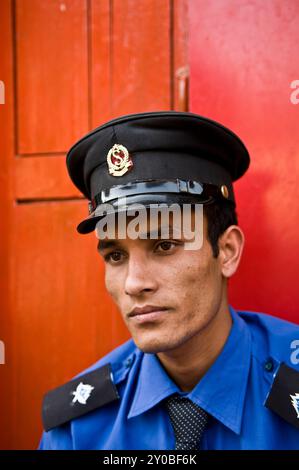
{"x": 112, "y": 283}
{"x": 196, "y": 282}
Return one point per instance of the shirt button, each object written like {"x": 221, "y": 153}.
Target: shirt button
{"x": 128, "y": 361}
{"x": 269, "y": 365}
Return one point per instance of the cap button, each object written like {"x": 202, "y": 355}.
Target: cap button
{"x": 269, "y": 365}
{"x": 224, "y": 191}
{"x": 128, "y": 362}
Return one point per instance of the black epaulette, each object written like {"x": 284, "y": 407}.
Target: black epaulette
{"x": 283, "y": 397}
{"x": 78, "y": 397}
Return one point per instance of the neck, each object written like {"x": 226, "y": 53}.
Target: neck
{"x": 188, "y": 363}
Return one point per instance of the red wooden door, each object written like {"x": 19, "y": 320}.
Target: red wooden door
{"x": 67, "y": 66}
{"x": 243, "y": 60}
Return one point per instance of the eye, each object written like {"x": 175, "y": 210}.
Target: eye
{"x": 114, "y": 257}
{"x": 166, "y": 246}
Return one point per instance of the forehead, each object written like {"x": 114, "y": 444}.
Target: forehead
{"x": 184, "y": 225}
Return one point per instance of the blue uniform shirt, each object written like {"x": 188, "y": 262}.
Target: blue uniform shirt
{"x": 233, "y": 392}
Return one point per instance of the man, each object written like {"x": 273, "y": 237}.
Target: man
{"x": 196, "y": 374}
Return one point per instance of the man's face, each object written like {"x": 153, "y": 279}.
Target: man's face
{"x": 165, "y": 293}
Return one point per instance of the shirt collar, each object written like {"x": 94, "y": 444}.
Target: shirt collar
{"x": 221, "y": 391}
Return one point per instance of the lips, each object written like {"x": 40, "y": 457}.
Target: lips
{"x": 146, "y": 310}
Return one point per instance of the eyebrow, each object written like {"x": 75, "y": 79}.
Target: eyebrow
{"x": 105, "y": 244}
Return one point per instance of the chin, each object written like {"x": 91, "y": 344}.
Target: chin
{"x": 155, "y": 344}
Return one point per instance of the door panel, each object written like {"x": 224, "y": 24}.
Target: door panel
{"x": 52, "y": 74}
{"x": 43, "y": 178}
{"x": 74, "y": 64}
{"x": 6, "y": 206}
{"x": 62, "y": 314}
{"x": 140, "y": 62}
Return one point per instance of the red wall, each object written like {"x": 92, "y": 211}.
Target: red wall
{"x": 243, "y": 58}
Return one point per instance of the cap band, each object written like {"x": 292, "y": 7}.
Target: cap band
{"x": 205, "y": 191}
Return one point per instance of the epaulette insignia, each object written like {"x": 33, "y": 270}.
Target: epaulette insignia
{"x": 78, "y": 397}
{"x": 283, "y": 397}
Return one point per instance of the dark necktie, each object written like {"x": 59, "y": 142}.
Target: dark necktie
{"x": 188, "y": 421}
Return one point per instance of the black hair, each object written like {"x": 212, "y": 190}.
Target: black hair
{"x": 220, "y": 215}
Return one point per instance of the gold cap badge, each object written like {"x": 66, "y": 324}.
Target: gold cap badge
{"x": 119, "y": 160}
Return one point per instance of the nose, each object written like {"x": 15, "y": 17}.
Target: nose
{"x": 140, "y": 276}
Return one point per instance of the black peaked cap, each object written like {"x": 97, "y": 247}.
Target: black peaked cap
{"x": 164, "y": 146}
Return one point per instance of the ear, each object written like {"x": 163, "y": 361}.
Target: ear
{"x": 231, "y": 245}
